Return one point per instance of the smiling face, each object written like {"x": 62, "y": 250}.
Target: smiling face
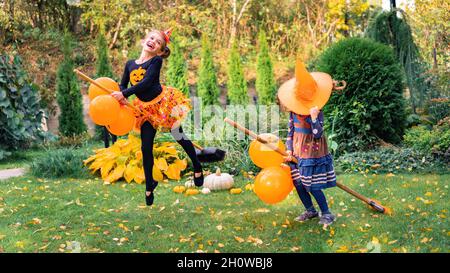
{"x": 154, "y": 43}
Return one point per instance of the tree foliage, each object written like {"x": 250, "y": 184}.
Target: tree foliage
{"x": 390, "y": 29}
{"x": 265, "y": 81}
{"x": 177, "y": 70}
{"x": 236, "y": 84}
{"x": 68, "y": 94}
{"x": 207, "y": 87}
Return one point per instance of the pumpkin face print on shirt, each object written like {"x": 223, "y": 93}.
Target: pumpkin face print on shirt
{"x": 137, "y": 75}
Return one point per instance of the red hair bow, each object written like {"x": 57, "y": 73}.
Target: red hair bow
{"x": 166, "y": 34}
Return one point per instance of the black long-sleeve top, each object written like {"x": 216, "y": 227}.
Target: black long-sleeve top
{"x": 144, "y": 79}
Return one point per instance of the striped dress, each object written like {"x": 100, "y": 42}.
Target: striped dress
{"x": 309, "y": 145}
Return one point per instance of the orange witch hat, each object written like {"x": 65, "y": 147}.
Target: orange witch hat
{"x": 306, "y": 90}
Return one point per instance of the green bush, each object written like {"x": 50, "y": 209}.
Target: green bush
{"x": 20, "y": 109}
{"x": 68, "y": 94}
{"x": 177, "y": 71}
{"x": 392, "y": 160}
{"x": 67, "y": 162}
{"x": 435, "y": 141}
{"x": 207, "y": 87}
{"x": 265, "y": 80}
{"x": 236, "y": 84}
{"x": 371, "y": 107}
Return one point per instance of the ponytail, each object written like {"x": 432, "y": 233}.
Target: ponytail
{"x": 166, "y": 52}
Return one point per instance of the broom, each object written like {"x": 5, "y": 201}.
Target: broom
{"x": 208, "y": 154}
{"x": 372, "y": 203}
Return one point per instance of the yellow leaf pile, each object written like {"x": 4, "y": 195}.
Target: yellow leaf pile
{"x": 124, "y": 160}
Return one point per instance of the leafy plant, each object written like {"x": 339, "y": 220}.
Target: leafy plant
{"x": 435, "y": 141}
{"x": 392, "y": 160}
{"x": 68, "y": 94}
{"x": 56, "y": 163}
{"x": 207, "y": 87}
{"x": 20, "y": 112}
{"x": 236, "y": 84}
{"x": 124, "y": 160}
{"x": 371, "y": 107}
{"x": 437, "y": 109}
{"x": 265, "y": 81}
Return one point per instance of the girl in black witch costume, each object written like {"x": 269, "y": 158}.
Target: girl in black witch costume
{"x": 164, "y": 107}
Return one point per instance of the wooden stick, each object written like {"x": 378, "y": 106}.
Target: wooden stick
{"x": 275, "y": 148}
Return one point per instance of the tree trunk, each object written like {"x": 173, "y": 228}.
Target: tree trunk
{"x": 116, "y": 33}
{"x": 393, "y": 4}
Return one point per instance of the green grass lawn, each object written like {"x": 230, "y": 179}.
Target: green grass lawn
{"x": 39, "y": 215}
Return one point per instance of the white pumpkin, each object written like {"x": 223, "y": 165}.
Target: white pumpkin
{"x": 218, "y": 181}
{"x": 189, "y": 184}
{"x": 206, "y": 190}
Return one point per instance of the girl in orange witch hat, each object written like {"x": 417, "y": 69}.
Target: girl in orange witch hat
{"x": 304, "y": 96}
{"x": 165, "y": 107}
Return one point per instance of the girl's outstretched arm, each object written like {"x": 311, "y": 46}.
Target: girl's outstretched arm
{"x": 149, "y": 78}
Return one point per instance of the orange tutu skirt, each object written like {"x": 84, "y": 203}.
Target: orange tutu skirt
{"x": 164, "y": 112}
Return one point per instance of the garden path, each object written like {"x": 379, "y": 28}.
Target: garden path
{"x": 8, "y": 173}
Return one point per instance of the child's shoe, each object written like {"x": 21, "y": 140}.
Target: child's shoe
{"x": 198, "y": 181}
{"x": 307, "y": 215}
{"x": 327, "y": 219}
{"x": 149, "y": 199}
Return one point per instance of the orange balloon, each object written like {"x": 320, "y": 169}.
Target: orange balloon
{"x": 108, "y": 83}
{"x": 273, "y": 184}
{"x": 124, "y": 122}
{"x": 104, "y": 110}
{"x": 262, "y": 155}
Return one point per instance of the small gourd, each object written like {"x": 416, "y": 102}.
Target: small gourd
{"x": 189, "y": 184}
{"x": 192, "y": 191}
{"x": 236, "y": 191}
{"x": 218, "y": 181}
{"x": 206, "y": 190}
{"x": 179, "y": 189}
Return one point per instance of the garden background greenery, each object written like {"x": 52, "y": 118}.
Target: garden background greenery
{"x": 389, "y": 130}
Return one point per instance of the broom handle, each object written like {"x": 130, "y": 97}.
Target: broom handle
{"x": 275, "y": 148}
{"x": 88, "y": 79}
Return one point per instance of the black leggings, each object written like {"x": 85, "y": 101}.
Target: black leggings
{"x": 148, "y": 136}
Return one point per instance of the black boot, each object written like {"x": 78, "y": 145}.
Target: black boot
{"x": 198, "y": 181}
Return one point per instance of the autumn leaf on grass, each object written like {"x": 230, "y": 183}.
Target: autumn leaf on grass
{"x": 20, "y": 244}
{"x": 36, "y": 221}
{"x": 342, "y": 249}
{"x": 254, "y": 240}
{"x": 122, "y": 226}
{"x": 239, "y": 239}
